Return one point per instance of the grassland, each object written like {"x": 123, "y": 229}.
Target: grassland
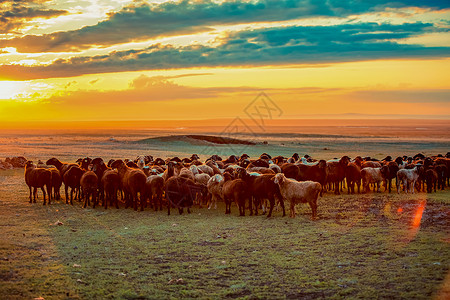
{"x": 362, "y": 246}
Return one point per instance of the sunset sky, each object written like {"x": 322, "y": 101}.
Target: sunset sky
{"x": 108, "y": 60}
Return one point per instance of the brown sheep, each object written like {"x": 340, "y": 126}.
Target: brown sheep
{"x": 154, "y": 190}
{"x": 89, "y": 185}
{"x": 317, "y": 173}
{"x": 72, "y": 179}
{"x": 133, "y": 182}
{"x": 181, "y": 192}
{"x": 62, "y": 167}
{"x": 389, "y": 172}
{"x": 353, "y": 175}
{"x": 431, "y": 179}
{"x": 235, "y": 190}
{"x": 56, "y": 183}
{"x": 336, "y": 172}
{"x": 110, "y": 183}
{"x": 38, "y": 178}
{"x": 299, "y": 192}
{"x": 262, "y": 187}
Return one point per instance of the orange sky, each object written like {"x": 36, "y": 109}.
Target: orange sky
{"x": 149, "y": 60}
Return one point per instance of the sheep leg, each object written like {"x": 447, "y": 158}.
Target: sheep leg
{"x": 272, "y": 204}
{"x": 292, "y": 207}
{"x": 34, "y": 194}
{"x": 31, "y": 199}
{"x": 71, "y": 196}
{"x": 313, "y": 206}
{"x": 65, "y": 190}
{"x": 43, "y": 192}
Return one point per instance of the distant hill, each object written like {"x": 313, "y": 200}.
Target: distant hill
{"x": 198, "y": 139}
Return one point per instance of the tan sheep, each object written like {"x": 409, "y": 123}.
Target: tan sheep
{"x": 299, "y": 192}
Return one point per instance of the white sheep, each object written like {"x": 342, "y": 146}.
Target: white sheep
{"x": 206, "y": 169}
{"x": 371, "y": 175}
{"x": 299, "y": 192}
{"x": 408, "y": 177}
{"x": 214, "y": 186}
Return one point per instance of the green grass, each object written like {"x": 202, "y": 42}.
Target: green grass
{"x": 362, "y": 246}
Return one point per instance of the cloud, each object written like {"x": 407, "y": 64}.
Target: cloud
{"x": 140, "y": 21}
{"x": 440, "y": 96}
{"x": 142, "y": 89}
{"x": 268, "y": 46}
{"x": 15, "y": 14}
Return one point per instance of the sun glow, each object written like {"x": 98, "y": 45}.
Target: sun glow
{"x": 10, "y": 89}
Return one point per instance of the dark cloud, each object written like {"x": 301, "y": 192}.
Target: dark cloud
{"x": 14, "y": 14}
{"x": 140, "y": 21}
{"x": 270, "y": 46}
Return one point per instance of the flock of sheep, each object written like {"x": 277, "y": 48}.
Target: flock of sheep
{"x": 250, "y": 183}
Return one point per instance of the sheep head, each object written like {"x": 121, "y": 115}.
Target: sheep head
{"x": 279, "y": 178}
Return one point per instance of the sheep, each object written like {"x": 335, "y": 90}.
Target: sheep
{"x": 185, "y": 172}
{"x": 408, "y": 177}
{"x": 133, "y": 182}
{"x": 317, "y": 172}
{"x": 140, "y": 161}
{"x": 262, "y": 187}
{"x": 154, "y": 190}
{"x": 38, "y": 178}
{"x": 71, "y": 179}
{"x": 56, "y": 183}
{"x": 214, "y": 166}
{"x": 371, "y": 175}
{"x": 180, "y": 192}
{"x": 214, "y": 187}
{"x": 353, "y": 175}
{"x": 89, "y": 185}
{"x": 62, "y": 167}
{"x": 336, "y": 172}
{"x": 111, "y": 183}
{"x": 206, "y": 169}
{"x": 371, "y": 164}
{"x": 235, "y": 190}
{"x": 431, "y": 179}
{"x": 202, "y": 179}
{"x": 170, "y": 171}
{"x": 389, "y": 172}
{"x": 298, "y": 192}
{"x": 274, "y": 167}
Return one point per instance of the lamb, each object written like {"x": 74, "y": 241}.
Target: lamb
{"x": 371, "y": 175}
{"x": 299, "y": 192}
{"x": 133, "y": 182}
{"x": 214, "y": 186}
{"x": 89, "y": 185}
{"x": 408, "y": 177}
{"x": 38, "y": 178}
